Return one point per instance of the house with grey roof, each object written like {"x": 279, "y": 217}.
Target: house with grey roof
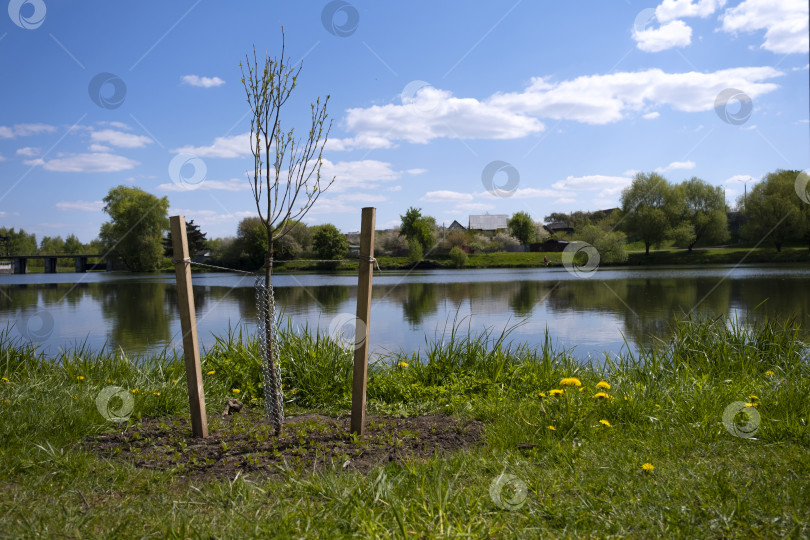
{"x": 488, "y": 222}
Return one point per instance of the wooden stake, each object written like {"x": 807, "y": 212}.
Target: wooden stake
{"x": 366, "y": 271}
{"x": 188, "y": 325}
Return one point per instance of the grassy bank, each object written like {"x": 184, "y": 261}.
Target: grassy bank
{"x": 536, "y": 260}
{"x": 584, "y": 477}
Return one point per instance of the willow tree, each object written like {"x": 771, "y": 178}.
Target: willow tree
{"x": 286, "y": 182}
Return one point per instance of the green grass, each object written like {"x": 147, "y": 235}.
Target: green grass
{"x": 720, "y": 256}
{"x": 582, "y": 478}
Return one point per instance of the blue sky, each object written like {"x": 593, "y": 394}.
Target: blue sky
{"x": 572, "y": 97}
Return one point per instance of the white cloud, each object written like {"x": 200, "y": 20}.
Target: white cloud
{"x": 592, "y": 182}
{"x": 100, "y": 148}
{"x": 591, "y": 99}
{"x": 234, "y": 184}
{"x": 2, "y": 158}
{"x": 233, "y": 146}
{"x": 416, "y": 171}
{"x": 446, "y": 196}
{"x": 669, "y": 35}
{"x": 395, "y": 188}
{"x": 119, "y": 138}
{"x": 434, "y": 113}
{"x": 29, "y": 151}
{"x": 603, "y": 99}
{"x": 96, "y": 162}
{"x": 84, "y": 206}
{"x": 785, "y": 23}
{"x": 475, "y": 207}
{"x": 677, "y": 9}
{"x": 740, "y": 179}
{"x": 676, "y": 165}
{"x": 211, "y": 217}
{"x": 202, "y": 82}
{"x": 363, "y": 174}
{"x": 361, "y": 142}
{"x": 651, "y": 116}
{"x": 114, "y": 124}
{"x": 25, "y": 130}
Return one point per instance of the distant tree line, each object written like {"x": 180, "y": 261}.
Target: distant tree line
{"x": 653, "y": 211}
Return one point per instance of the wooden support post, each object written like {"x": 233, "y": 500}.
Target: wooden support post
{"x": 366, "y": 271}
{"x": 188, "y": 325}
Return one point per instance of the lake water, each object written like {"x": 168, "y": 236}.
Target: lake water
{"x": 605, "y": 313}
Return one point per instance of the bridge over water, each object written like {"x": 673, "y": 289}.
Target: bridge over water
{"x": 19, "y": 263}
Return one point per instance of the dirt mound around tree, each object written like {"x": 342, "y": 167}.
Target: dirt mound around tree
{"x": 246, "y": 442}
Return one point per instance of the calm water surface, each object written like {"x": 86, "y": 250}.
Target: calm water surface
{"x": 613, "y": 309}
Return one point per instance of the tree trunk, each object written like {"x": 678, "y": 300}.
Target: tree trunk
{"x": 647, "y": 247}
{"x": 269, "y": 326}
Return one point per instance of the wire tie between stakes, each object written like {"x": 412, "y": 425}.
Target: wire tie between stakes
{"x": 186, "y": 260}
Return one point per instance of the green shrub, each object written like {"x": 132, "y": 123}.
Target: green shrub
{"x": 458, "y": 257}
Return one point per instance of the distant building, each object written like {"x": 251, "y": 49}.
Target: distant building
{"x": 549, "y": 246}
{"x": 558, "y": 227}
{"x": 456, "y": 226}
{"x": 488, "y": 223}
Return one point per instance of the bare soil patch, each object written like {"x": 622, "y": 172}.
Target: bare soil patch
{"x": 246, "y": 442}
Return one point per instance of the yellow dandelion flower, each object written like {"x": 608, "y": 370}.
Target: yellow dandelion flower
{"x": 570, "y": 381}
{"x": 155, "y": 393}
{"x": 134, "y": 391}
{"x": 80, "y": 378}
{"x": 254, "y": 399}
{"x": 647, "y": 467}
{"x": 600, "y": 395}
{"x": 294, "y": 391}
{"x": 211, "y": 372}
{"x": 753, "y": 398}
{"x": 556, "y": 392}
{"x": 752, "y": 404}
{"x": 75, "y": 396}
{"x": 770, "y": 373}
{"x": 402, "y": 364}
{"x": 236, "y": 390}
{"x": 109, "y": 381}
{"x": 541, "y": 394}
{"x": 626, "y": 398}
{"x": 582, "y": 389}
{"x": 174, "y": 381}
{"x": 605, "y": 423}
{"x": 552, "y": 428}
{"x": 4, "y": 379}
{"x": 603, "y": 385}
